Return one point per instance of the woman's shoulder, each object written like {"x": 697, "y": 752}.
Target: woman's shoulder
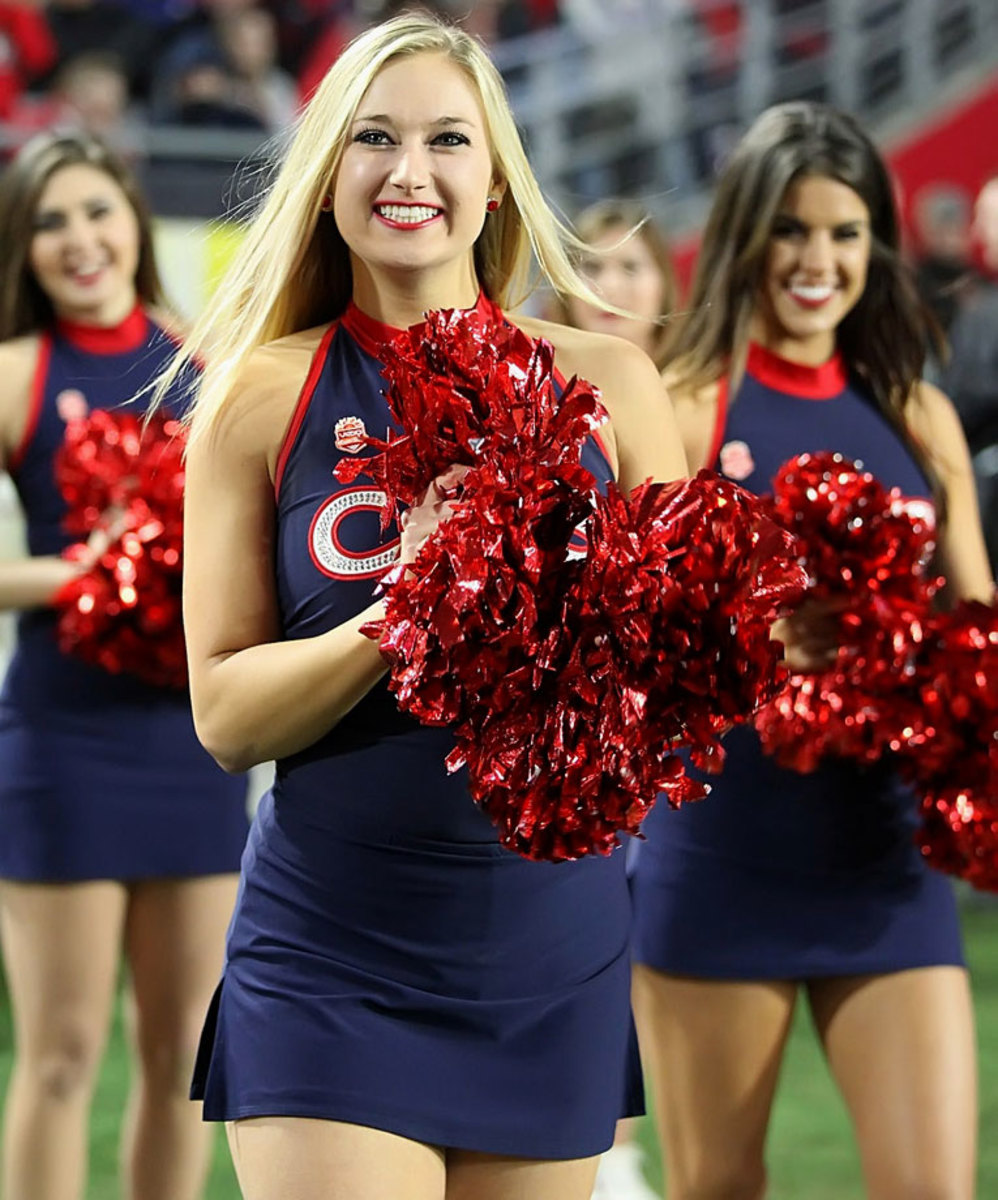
{"x": 18, "y": 360}
{"x": 18, "y": 363}
{"x": 695, "y": 394}
{"x": 933, "y": 421}
{"x": 271, "y": 368}
{"x": 174, "y": 326}
{"x": 265, "y": 391}
{"x": 601, "y": 358}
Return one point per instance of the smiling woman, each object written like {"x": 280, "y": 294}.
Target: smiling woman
{"x": 118, "y": 834}
{"x": 407, "y": 1009}
{"x": 804, "y": 334}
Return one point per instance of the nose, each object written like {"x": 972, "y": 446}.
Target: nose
{"x": 411, "y": 170}
{"x": 818, "y": 253}
{"x": 79, "y": 232}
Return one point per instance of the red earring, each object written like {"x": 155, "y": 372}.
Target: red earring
{"x": 491, "y": 204}
{"x": 327, "y": 203}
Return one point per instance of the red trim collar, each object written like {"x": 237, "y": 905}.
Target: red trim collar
{"x": 129, "y": 334}
{"x": 810, "y": 383}
{"x": 371, "y": 334}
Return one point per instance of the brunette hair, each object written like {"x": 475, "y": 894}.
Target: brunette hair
{"x": 24, "y": 306}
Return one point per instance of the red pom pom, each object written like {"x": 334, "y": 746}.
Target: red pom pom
{"x": 124, "y": 613}
{"x": 868, "y": 552}
{"x": 953, "y": 759}
{"x": 566, "y": 708}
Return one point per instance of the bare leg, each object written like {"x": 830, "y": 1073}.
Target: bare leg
{"x": 297, "y": 1159}
{"x": 712, "y": 1052}
{"x": 175, "y": 937}
{"x": 61, "y": 945}
{"x": 901, "y": 1048}
{"x": 492, "y": 1177}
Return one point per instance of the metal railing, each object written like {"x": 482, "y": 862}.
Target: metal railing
{"x": 651, "y": 107}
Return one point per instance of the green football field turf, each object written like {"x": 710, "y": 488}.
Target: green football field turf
{"x": 811, "y": 1155}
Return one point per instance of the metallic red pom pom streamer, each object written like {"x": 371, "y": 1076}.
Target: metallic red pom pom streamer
{"x": 124, "y": 613}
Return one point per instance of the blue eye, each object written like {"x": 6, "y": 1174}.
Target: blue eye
{"x": 372, "y": 137}
{"x": 451, "y": 139}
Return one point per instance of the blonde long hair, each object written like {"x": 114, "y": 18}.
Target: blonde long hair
{"x": 293, "y": 269}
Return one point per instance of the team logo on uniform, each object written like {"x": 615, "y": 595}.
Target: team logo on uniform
{"x": 736, "y": 460}
{"x": 71, "y": 405}
{"x": 349, "y": 434}
{"x": 327, "y": 540}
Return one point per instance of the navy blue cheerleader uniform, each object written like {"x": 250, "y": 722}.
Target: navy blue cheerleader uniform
{"x": 101, "y": 775}
{"x": 780, "y": 875}
{"x": 389, "y": 964}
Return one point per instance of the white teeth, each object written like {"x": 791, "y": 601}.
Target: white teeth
{"x": 812, "y": 294}
{"x": 407, "y": 214}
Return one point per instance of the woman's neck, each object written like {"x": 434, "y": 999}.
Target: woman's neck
{"x": 104, "y": 316}
{"x": 401, "y": 299}
{"x": 808, "y": 352}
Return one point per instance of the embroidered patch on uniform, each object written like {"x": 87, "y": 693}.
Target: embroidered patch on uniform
{"x": 349, "y": 434}
{"x": 736, "y": 460}
{"x": 328, "y": 548}
{"x": 71, "y": 405}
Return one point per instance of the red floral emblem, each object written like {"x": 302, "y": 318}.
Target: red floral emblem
{"x": 736, "y": 460}
{"x": 350, "y": 434}
{"x": 71, "y": 405}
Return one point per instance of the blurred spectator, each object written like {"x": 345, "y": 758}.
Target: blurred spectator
{"x": 297, "y": 21}
{"x": 91, "y": 94}
{"x": 201, "y": 90}
{"x": 222, "y": 30}
{"x": 346, "y": 21}
{"x": 104, "y": 27}
{"x": 971, "y": 376}
{"x": 248, "y": 39}
{"x": 943, "y": 269}
{"x": 338, "y": 27}
{"x": 27, "y": 51}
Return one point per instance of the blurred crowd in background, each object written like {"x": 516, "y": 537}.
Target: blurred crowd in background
{"x": 110, "y": 65}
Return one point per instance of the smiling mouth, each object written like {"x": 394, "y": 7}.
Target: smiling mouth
{"x": 86, "y": 276}
{"x": 811, "y": 297}
{"x": 406, "y": 216}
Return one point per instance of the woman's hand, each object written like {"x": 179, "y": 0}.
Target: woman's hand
{"x": 420, "y": 521}
{"x": 810, "y": 634}
{"x": 113, "y": 523}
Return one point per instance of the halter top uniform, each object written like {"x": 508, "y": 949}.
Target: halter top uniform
{"x": 780, "y": 875}
{"x": 389, "y": 964}
{"x": 101, "y": 775}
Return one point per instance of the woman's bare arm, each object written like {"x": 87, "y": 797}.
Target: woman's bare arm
{"x": 256, "y": 696}
{"x": 963, "y": 556}
{"x": 27, "y": 581}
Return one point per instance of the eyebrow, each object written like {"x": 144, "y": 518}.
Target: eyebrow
{"x": 384, "y": 117}
{"x": 57, "y": 208}
{"x": 791, "y": 219}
